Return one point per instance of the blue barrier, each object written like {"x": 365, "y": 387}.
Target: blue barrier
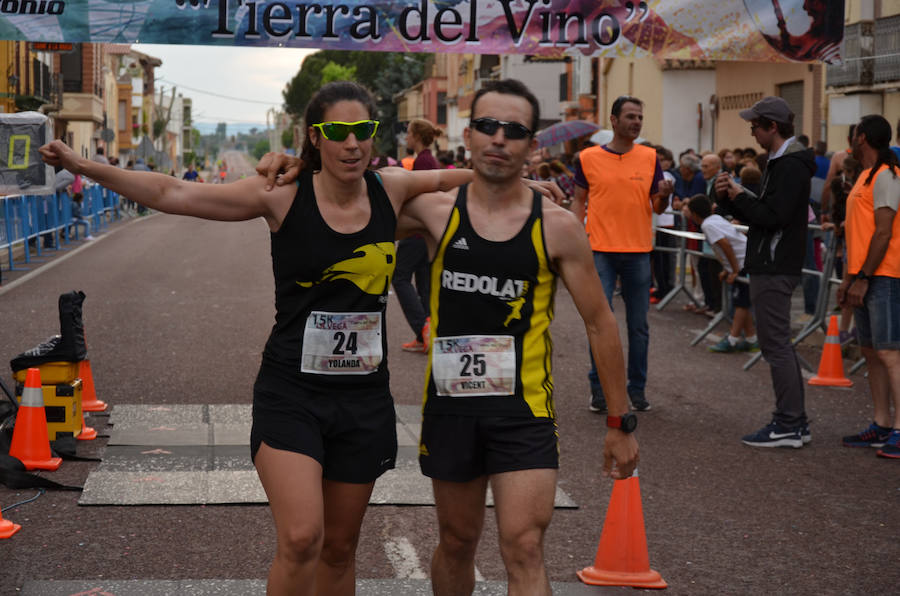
{"x": 37, "y": 223}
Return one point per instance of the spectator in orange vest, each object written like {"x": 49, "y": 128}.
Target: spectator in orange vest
{"x": 872, "y": 283}
{"x": 623, "y": 184}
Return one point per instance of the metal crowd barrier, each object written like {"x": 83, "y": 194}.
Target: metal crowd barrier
{"x": 820, "y": 315}
{"x": 39, "y": 223}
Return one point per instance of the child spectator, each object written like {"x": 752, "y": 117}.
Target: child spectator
{"x": 77, "y": 217}
{"x": 730, "y": 247}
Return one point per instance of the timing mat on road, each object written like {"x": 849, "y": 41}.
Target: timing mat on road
{"x": 200, "y": 455}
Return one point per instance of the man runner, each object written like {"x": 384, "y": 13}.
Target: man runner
{"x": 489, "y": 415}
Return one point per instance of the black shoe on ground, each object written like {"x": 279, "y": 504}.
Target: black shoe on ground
{"x": 598, "y": 403}
{"x": 873, "y": 436}
{"x": 639, "y": 403}
{"x": 775, "y": 435}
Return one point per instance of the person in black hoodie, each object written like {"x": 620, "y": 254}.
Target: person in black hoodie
{"x": 776, "y": 248}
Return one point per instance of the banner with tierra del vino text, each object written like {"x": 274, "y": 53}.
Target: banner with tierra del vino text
{"x": 757, "y": 30}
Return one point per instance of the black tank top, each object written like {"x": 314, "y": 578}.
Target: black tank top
{"x": 491, "y": 308}
{"x": 331, "y": 290}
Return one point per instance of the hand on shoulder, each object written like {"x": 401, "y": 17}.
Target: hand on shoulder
{"x": 279, "y": 169}
{"x": 548, "y": 188}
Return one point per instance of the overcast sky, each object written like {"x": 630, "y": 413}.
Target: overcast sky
{"x": 206, "y": 73}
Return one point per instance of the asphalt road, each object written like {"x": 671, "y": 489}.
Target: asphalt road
{"x": 178, "y": 310}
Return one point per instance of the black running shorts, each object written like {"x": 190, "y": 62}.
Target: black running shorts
{"x": 740, "y": 294}
{"x": 462, "y": 448}
{"x": 353, "y": 436}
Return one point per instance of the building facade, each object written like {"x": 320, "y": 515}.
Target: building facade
{"x": 32, "y": 82}
{"x": 868, "y": 79}
{"x": 696, "y": 104}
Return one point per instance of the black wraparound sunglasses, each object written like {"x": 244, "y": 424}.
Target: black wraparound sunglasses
{"x": 512, "y": 130}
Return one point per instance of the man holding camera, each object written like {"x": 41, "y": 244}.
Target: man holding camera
{"x": 776, "y": 248}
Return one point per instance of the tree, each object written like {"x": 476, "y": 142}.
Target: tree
{"x": 261, "y": 148}
{"x": 287, "y": 137}
{"x": 336, "y": 72}
{"x": 307, "y": 81}
{"x": 384, "y": 73}
{"x": 161, "y": 117}
{"x": 400, "y": 71}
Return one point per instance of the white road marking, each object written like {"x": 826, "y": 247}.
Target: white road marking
{"x": 405, "y": 561}
{"x": 402, "y": 555}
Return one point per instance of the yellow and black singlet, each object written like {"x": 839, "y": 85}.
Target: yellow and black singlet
{"x": 491, "y": 308}
{"x": 331, "y": 292}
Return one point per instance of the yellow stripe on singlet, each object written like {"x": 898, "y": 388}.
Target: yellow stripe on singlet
{"x": 537, "y": 345}
{"x": 437, "y": 265}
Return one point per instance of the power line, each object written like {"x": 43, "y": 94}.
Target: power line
{"x": 220, "y": 95}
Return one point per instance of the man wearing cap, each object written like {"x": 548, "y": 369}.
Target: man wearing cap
{"x": 776, "y": 247}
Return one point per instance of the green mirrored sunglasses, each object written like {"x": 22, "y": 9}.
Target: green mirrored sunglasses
{"x": 338, "y": 131}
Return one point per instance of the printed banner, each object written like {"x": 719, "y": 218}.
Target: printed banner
{"x": 760, "y": 30}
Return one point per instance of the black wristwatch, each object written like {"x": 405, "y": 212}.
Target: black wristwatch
{"x": 625, "y": 423}
{"x": 862, "y": 276}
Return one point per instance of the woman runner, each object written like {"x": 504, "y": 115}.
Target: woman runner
{"x": 323, "y": 417}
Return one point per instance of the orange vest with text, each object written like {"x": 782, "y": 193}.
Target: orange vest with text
{"x": 859, "y": 227}
{"x": 619, "y": 213}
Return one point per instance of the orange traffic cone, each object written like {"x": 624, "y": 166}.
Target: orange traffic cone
{"x": 622, "y": 558}
{"x": 89, "y": 401}
{"x": 831, "y": 367}
{"x": 7, "y": 528}
{"x": 87, "y": 433}
{"x": 30, "y": 442}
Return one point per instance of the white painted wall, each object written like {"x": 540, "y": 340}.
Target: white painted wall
{"x": 581, "y": 70}
{"x": 681, "y": 91}
{"x": 455, "y": 126}
{"x": 82, "y": 132}
{"x": 542, "y": 78}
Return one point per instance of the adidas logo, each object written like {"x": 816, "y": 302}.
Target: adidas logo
{"x": 461, "y": 244}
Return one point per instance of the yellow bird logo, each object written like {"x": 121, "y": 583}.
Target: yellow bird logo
{"x": 515, "y": 306}
{"x": 369, "y": 269}
{"x": 516, "y": 310}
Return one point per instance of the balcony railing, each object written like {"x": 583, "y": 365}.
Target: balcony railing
{"x": 849, "y": 71}
{"x": 56, "y": 90}
{"x": 861, "y": 67}
{"x": 887, "y": 49}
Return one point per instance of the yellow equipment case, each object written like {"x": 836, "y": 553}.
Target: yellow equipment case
{"x": 62, "y": 404}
